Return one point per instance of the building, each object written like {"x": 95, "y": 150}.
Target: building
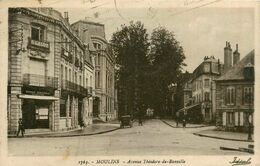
{"x": 199, "y": 92}
{"x": 93, "y": 34}
{"x": 47, "y": 67}
{"x": 235, "y": 94}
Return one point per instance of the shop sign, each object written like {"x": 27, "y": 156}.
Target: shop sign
{"x": 38, "y": 91}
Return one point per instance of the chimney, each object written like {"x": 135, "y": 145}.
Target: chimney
{"x": 236, "y": 56}
{"x": 227, "y": 56}
{"x": 66, "y": 16}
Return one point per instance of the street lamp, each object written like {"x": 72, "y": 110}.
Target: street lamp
{"x": 173, "y": 88}
{"x": 249, "y": 127}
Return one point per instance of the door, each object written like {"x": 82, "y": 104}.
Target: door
{"x": 28, "y": 111}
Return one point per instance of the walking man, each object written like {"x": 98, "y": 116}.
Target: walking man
{"x": 20, "y": 127}
{"x": 140, "y": 117}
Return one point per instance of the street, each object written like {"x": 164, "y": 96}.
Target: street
{"x": 153, "y": 138}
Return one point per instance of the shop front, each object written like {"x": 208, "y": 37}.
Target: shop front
{"x": 37, "y": 108}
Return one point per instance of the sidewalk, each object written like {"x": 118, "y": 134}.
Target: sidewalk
{"x": 89, "y": 130}
{"x": 172, "y": 123}
{"x": 232, "y": 136}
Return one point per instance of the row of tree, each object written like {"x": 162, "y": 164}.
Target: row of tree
{"x": 145, "y": 67}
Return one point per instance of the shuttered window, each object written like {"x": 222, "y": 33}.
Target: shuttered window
{"x": 236, "y": 118}
{"x": 241, "y": 119}
{"x": 224, "y": 118}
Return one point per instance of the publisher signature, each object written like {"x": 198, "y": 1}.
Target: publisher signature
{"x": 238, "y": 161}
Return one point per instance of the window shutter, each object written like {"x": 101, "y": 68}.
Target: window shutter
{"x": 226, "y": 96}
{"x": 224, "y": 118}
{"x": 241, "y": 118}
{"x": 236, "y": 118}
{"x": 243, "y": 96}
{"x": 234, "y": 96}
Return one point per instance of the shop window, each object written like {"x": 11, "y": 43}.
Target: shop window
{"x": 230, "y": 118}
{"x": 37, "y": 32}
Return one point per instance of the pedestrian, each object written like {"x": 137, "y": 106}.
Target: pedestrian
{"x": 177, "y": 119}
{"x": 140, "y": 117}
{"x": 20, "y": 127}
{"x": 184, "y": 123}
{"x": 81, "y": 123}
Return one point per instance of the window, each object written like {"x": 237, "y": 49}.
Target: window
{"x": 37, "y": 33}
{"x": 75, "y": 78}
{"x": 97, "y": 79}
{"x": 206, "y": 96}
{"x": 230, "y": 118}
{"x": 206, "y": 83}
{"x": 90, "y": 81}
{"x": 230, "y": 96}
{"x": 248, "y": 95}
{"x": 69, "y": 74}
{"x": 97, "y": 46}
{"x": 66, "y": 73}
{"x": 62, "y": 108}
{"x": 62, "y": 40}
{"x": 86, "y": 81}
{"x": 61, "y": 72}
{"x": 98, "y": 59}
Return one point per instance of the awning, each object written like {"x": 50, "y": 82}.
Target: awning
{"x": 38, "y": 97}
{"x": 189, "y": 107}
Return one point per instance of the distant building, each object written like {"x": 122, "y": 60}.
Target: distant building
{"x": 93, "y": 34}
{"x": 199, "y": 91}
{"x": 47, "y": 63}
{"x": 235, "y": 94}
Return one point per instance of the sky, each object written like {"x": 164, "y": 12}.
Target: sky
{"x": 201, "y": 28}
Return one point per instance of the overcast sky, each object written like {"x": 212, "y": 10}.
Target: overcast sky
{"x": 202, "y": 31}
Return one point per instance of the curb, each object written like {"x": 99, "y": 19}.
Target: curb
{"x": 228, "y": 139}
{"x": 182, "y": 127}
{"x": 72, "y": 135}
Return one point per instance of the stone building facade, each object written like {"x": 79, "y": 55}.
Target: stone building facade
{"x": 46, "y": 71}
{"x": 200, "y": 107}
{"x": 94, "y": 35}
{"x": 235, "y": 95}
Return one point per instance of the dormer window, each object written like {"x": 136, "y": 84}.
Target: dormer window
{"x": 37, "y": 32}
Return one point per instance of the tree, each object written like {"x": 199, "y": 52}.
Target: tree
{"x": 167, "y": 59}
{"x": 130, "y": 47}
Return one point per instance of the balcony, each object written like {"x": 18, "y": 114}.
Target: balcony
{"x": 67, "y": 55}
{"x": 39, "y": 45}
{"x": 90, "y": 91}
{"x": 40, "y": 81}
{"x": 74, "y": 88}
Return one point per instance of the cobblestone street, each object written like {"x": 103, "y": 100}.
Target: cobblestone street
{"x": 153, "y": 138}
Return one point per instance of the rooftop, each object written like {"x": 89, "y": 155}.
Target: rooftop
{"x": 236, "y": 72}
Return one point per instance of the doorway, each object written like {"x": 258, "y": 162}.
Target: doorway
{"x": 35, "y": 113}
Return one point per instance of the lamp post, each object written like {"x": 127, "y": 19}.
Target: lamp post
{"x": 173, "y": 87}
{"x": 249, "y": 118}
{"x": 249, "y": 127}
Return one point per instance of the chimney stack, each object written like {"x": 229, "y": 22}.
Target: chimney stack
{"x": 66, "y": 16}
{"x": 236, "y": 56}
{"x": 227, "y": 56}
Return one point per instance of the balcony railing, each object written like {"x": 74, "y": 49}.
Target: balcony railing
{"x": 40, "y": 45}
{"x": 90, "y": 91}
{"x": 72, "y": 87}
{"x": 67, "y": 55}
{"x": 40, "y": 80}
